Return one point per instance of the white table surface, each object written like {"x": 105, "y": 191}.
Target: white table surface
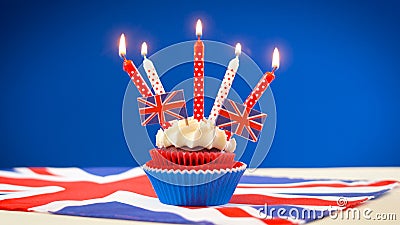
{"x": 388, "y": 203}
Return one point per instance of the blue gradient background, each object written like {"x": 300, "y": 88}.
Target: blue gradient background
{"x": 337, "y": 92}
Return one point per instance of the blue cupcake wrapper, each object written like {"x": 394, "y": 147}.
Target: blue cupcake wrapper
{"x": 194, "y": 188}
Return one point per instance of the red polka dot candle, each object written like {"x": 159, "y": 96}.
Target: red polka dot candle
{"x": 198, "y": 73}
{"x": 264, "y": 82}
{"x": 132, "y": 71}
{"x": 225, "y": 85}
{"x": 151, "y": 72}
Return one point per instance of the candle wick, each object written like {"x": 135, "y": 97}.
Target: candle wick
{"x": 198, "y": 37}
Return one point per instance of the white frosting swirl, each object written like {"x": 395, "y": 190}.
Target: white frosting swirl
{"x": 195, "y": 136}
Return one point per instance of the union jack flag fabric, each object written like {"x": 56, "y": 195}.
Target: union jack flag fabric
{"x": 241, "y": 120}
{"x": 126, "y": 193}
{"x": 159, "y": 109}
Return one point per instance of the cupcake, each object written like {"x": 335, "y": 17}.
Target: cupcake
{"x": 193, "y": 164}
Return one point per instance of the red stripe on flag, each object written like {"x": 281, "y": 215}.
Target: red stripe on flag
{"x": 40, "y": 170}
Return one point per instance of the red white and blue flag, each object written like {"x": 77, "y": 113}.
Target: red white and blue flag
{"x": 126, "y": 193}
{"x": 160, "y": 109}
{"x": 241, "y": 120}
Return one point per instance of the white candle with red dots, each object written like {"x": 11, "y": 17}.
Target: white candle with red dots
{"x": 225, "y": 85}
{"x": 198, "y": 75}
{"x": 264, "y": 82}
{"x": 151, "y": 72}
{"x": 130, "y": 68}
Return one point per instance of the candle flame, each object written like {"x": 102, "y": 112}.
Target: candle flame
{"x": 199, "y": 28}
{"x": 238, "y": 49}
{"x": 144, "y": 49}
{"x": 275, "y": 59}
{"x": 122, "y": 46}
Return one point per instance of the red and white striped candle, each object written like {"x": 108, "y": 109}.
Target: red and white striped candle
{"x": 151, "y": 72}
{"x": 130, "y": 68}
{"x": 198, "y": 73}
{"x": 225, "y": 85}
{"x": 264, "y": 82}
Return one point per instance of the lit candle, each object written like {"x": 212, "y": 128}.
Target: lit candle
{"x": 225, "y": 85}
{"x": 154, "y": 78}
{"x": 198, "y": 102}
{"x": 264, "y": 82}
{"x": 151, "y": 72}
{"x": 132, "y": 71}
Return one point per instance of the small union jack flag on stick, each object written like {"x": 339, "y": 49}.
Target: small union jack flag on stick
{"x": 241, "y": 120}
{"x": 162, "y": 108}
